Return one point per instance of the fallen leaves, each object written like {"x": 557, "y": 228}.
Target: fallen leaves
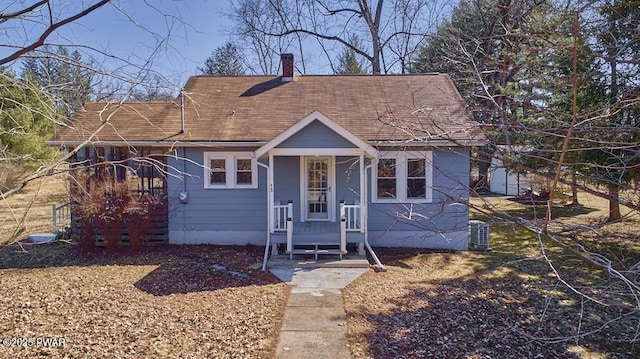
{"x": 437, "y": 305}
{"x": 167, "y": 302}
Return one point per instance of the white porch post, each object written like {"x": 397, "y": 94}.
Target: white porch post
{"x": 270, "y": 203}
{"x": 274, "y": 247}
{"x": 271, "y": 199}
{"x": 343, "y": 236}
{"x": 290, "y": 237}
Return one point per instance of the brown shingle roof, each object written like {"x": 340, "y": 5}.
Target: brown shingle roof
{"x": 131, "y": 121}
{"x": 258, "y": 108}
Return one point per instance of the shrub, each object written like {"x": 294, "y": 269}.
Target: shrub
{"x": 101, "y": 201}
{"x": 138, "y": 221}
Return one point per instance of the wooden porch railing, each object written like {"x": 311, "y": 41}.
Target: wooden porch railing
{"x": 61, "y": 215}
{"x": 281, "y": 212}
{"x": 352, "y": 215}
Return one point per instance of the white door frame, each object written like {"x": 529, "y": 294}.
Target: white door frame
{"x": 331, "y": 192}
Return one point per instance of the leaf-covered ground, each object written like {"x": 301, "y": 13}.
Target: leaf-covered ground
{"x": 167, "y": 302}
{"x": 507, "y": 303}
{"x": 450, "y": 305}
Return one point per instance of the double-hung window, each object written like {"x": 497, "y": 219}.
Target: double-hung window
{"x": 230, "y": 170}
{"x": 403, "y": 177}
{"x": 387, "y": 178}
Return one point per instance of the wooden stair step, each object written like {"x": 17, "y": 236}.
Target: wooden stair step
{"x": 315, "y": 252}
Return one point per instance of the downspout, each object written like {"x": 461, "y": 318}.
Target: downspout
{"x": 184, "y": 162}
{"x": 184, "y": 167}
{"x": 379, "y": 264}
{"x": 181, "y": 112}
{"x": 266, "y": 247}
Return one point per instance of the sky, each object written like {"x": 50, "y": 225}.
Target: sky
{"x": 186, "y": 32}
{"x": 174, "y": 36}
{"x": 171, "y": 37}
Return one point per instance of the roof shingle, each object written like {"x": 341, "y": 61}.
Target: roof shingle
{"x": 258, "y": 108}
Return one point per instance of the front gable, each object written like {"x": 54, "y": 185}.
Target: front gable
{"x": 316, "y": 135}
{"x": 319, "y": 132}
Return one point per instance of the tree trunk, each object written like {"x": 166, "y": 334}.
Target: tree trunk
{"x": 484, "y": 162}
{"x": 574, "y": 190}
{"x": 614, "y": 205}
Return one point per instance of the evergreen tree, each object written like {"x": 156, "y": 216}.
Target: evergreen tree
{"x": 618, "y": 44}
{"x": 224, "y": 61}
{"x": 65, "y": 76}
{"x": 27, "y": 120}
{"x": 349, "y": 62}
{"x": 480, "y": 47}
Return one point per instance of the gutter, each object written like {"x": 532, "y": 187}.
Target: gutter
{"x": 429, "y": 143}
{"x": 177, "y": 143}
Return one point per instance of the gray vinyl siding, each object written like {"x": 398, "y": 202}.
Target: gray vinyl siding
{"x": 213, "y": 209}
{"x": 451, "y": 170}
{"x": 246, "y": 209}
{"x": 286, "y": 178}
{"x": 347, "y": 179}
{"x": 316, "y": 135}
{"x": 287, "y": 181}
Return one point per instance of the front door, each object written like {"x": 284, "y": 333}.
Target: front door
{"x": 317, "y": 188}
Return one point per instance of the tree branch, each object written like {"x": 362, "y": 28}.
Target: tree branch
{"x": 53, "y": 27}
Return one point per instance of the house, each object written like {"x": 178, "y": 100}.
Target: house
{"x": 303, "y": 163}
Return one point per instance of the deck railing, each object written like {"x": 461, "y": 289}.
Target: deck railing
{"x": 61, "y": 215}
{"x": 352, "y": 215}
{"x": 281, "y": 212}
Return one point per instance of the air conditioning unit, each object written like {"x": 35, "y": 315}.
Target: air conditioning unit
{"x": 479, "y": 235}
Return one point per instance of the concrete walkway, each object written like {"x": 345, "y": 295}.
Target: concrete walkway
{"x": 315, "y": 321}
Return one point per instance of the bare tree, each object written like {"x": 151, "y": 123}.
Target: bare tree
{"x": 556, "y": 87}
{"x": 30, "y": 30}
{"x": 391, "y": 30}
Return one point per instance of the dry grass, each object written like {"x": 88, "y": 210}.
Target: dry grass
{"x": 501, "y": 304}
{"x": 29, "y": 211}
{"x": 170, "y": 302}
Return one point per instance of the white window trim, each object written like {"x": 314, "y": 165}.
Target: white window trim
{"x": 230, "y": 167}
{"x": 401, "y": 177}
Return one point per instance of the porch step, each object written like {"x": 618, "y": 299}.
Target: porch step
{"x": 315, "y": 251}
{"x": 283, "y": 261}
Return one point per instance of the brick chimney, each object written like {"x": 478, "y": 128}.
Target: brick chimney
{"x": 287, "y": 67}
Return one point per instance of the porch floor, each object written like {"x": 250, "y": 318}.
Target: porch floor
{"x": 308, "y": 261}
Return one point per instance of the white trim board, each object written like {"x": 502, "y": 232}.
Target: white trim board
{"x": 258, "y": 238}
{"x": 316, "y": 152}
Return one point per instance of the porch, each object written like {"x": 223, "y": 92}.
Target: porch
{"x": 318, "y": 237}
{"x": 319, "y": 169}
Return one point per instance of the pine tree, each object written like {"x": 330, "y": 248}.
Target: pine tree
{"x": 224, "y": 61}
{"x": 350, "y": 63}
{"x": 27, "y": 120}
{"x": 65, "y": 76}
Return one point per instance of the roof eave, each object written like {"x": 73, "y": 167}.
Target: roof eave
{"x": 434, "y": 143}
{"x": 221, "y": 144}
